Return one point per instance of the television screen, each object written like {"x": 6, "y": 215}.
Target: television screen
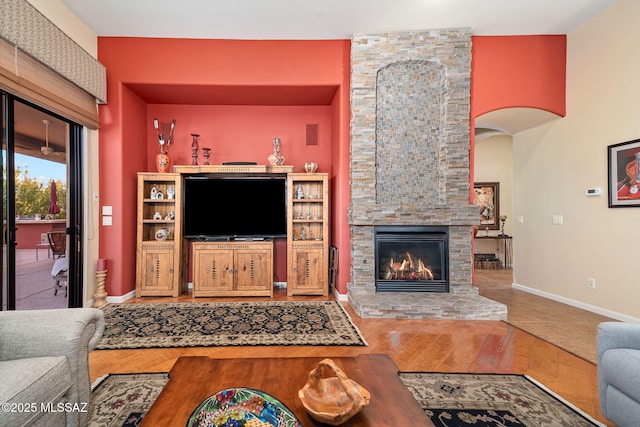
{"x": 221, "y": 207}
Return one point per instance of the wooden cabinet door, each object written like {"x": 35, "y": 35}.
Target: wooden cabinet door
{"x": 157, "y": 271}
{"x": 254, "y": 271}
{"x": 213, "y": 272}
{"x": 308, "y": 271}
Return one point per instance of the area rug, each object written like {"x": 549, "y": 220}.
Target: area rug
{"x": 122, "y": 399}
{"x": 457, "y": 400}
{"x": 209, "y": 324}
{"x": 450, "y": 400}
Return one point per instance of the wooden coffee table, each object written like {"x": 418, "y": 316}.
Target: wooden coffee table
{"x": 193, "y": 379}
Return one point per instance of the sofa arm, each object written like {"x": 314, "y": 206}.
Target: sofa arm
{"x": 71, "y": 332}
{"x": 617, "y": 335}
{"x": 58, "y": 332}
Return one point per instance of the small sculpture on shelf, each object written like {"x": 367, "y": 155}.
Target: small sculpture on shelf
{"x": 276, "y": 158}
{"x": 299, "y": 193}
{"x": 194, "y": 149}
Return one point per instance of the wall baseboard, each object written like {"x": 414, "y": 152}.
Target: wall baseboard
{"x": 121, "y": 298}
{"x": 340, "y": 297}
{"x": 578, "y": 304}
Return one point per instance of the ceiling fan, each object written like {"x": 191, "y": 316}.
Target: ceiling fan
{"x": 45, "y": 149}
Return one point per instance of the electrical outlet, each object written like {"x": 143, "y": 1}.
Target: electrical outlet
{"x": 591, "y": 283}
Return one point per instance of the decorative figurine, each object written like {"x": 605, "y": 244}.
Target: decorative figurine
{"x": 299, "y": 192}
{"x": 154, "y": 192}
{"x": 171, "y": 192}
{"x": 194, "y": 149}
{"x": 276, "y": 158}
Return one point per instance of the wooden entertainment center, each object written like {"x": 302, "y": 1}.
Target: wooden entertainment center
{"x": 232, "y": 267}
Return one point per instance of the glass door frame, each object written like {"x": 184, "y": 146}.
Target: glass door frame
{"x": 75, "y": 285}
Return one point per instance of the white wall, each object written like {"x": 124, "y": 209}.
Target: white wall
{"x": 493, "y": 162}
{"x": 556, "y": 162}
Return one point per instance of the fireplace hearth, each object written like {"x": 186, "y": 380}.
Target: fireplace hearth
{"x": 412, "y": 259}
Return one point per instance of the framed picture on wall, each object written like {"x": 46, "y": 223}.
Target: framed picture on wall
{"x": 486, "y": 195}
{"x": 624, "y": 174}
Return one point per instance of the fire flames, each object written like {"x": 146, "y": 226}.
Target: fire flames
{"x": 407, "y": 269}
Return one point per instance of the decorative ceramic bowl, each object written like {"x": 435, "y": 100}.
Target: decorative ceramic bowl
{"x": 332, "y": 400}
{"x": 242, "y": 407}
{"x": 310, "y": 167}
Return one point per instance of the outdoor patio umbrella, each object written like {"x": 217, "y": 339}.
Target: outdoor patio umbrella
{"x": 53, "y": 204}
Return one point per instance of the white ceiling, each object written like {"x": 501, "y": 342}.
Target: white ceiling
{"x": 328, "y": 19}
{"x": 340, "y": 19}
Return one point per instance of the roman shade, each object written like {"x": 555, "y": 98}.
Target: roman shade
{"x": 41, "y": 64}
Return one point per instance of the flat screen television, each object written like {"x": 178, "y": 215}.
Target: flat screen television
{"x": 226, "y": 208}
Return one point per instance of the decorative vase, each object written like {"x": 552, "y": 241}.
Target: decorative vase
{"x": 310, "y": 167}
{"x": 163, "y": 162}
{"x": 276, "y": 158}
{"x": 206, "y": 153}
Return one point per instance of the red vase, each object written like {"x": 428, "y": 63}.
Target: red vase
{"x": 163, "y": 162}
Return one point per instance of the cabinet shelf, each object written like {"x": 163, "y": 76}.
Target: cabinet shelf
{"x": 159, "y": 201}
{"x": 308, "y": 234}
{"x": 158, "y": 262}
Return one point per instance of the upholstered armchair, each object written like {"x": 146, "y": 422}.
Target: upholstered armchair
{"x": 618, "y": 346}
{"x": 44, "y": 365}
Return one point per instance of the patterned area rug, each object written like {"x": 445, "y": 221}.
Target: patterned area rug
{"x": 121, "y": 400}
{"x": 212, "y": 324}
{"x": 451, "y": 400}
{"x": 487, "y": 400}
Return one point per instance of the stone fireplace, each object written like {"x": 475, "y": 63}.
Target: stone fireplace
{"x": 410, "y": 168}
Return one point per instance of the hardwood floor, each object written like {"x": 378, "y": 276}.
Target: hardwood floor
{"x": 416, "y": 345}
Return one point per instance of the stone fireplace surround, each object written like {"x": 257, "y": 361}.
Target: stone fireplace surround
{"x": 410, "y": 165}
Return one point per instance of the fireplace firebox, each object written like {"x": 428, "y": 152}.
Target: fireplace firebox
{"x": 412, "y": 258}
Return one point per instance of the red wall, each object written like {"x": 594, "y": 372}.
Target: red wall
{"x": 279, "y": 87}
{"x": 195, "y": 82}
{"x": 517, "y": 71}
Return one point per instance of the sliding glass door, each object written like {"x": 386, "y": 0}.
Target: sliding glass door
{"x": 41, "y": 208}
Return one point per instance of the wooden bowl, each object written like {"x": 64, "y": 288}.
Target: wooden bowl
{"x": 332, "y": 400}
